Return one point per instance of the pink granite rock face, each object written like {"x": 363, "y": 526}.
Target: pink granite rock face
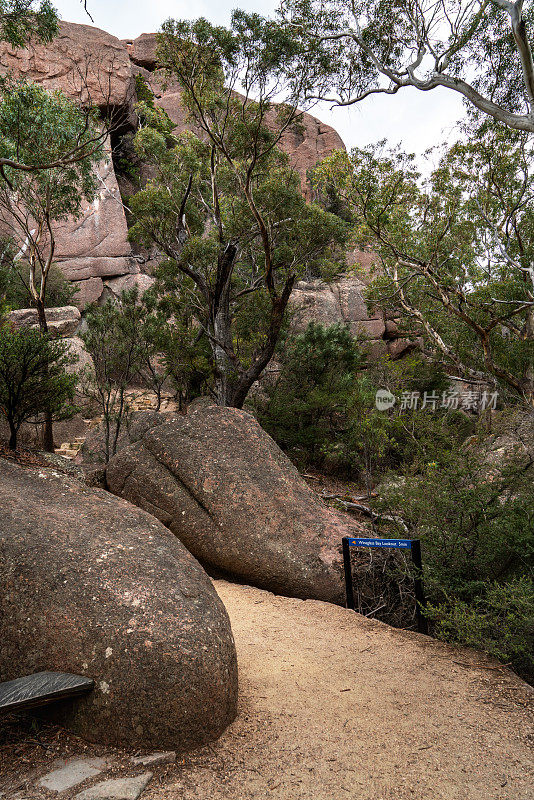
{"x": 114, "y": 287}
{"x": 142, "y": 50}
{"x": 218, "y": 481}
{"x": 89, "y": 291}
{"x": 342, "y": 301}
{"x": 89, "y": 66}
{"x": 309, "y": 143}
{"x": 96, "y": 244}
{"x": 86, "y": 63}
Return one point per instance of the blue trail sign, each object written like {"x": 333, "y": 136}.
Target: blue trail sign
{"x": 405, "y": 544}
{"x": 414, "y": 545}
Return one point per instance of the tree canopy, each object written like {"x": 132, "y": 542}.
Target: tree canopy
{"x": 40, "y": 126}
{"x": 456, "y": 251}
{"x": 478, "y": 48}
{"x": 224, "y": 205}
{"x": 22, "y": 19}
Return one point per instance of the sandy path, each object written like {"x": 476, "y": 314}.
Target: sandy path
{"x": 332, "y": 707}
{"x": 336, "y": 706}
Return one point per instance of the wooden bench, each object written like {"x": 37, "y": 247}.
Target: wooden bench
{"x": 40, "y": 689}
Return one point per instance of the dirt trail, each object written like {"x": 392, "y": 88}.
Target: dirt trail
{"x": 333, "y": 707}
{"x": 337, "y": 706}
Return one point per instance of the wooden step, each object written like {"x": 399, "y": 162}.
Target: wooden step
{"x": 40, "y": 689}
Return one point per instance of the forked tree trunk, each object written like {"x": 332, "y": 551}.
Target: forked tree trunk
{"x": 221, "y": 347}
{"x": 234, "y": 382}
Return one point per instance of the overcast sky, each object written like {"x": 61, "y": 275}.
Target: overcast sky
{"x": 415, "y": 119}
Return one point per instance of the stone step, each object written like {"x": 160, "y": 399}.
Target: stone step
{"x": 66, "y": 453}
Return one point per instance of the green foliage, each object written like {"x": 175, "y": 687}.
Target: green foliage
{"x": 38, "y": 128}
{"x": 499, "y": 621}
{"x": 60, "y": 144}
{"x": 480, "y": 50}
{"x": 322, "y": 409}
{"x": 377, "y": 442}
{"x": 224, "y": 206}
{"x": 22, "y": 19}
{"x": 135, "y": 340}
{"x": 476, "y": 523}
{"x": 456, "y": 250}
{"x": 14, "y": 286}
{"x": 33, "y": 380}
{"x": 173, "y": 350}
{"x": 112, "y": 340}
{"x": 307, "y": 410}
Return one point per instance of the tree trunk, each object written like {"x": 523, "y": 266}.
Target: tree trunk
{"x": 221, "y": 346}
{"x": 12, "y": 437}
{"x": 48, "y": 430}
{"x": 247, "y": 378}
{"x": 529, "y": 388}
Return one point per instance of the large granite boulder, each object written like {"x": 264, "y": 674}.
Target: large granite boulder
{"x": 62, "y": 320}
{"x": 86, "y": 63}
{"x": 142, "y": 50}
{"x": 94, "y": 586}
{"x": 222, "y": 485}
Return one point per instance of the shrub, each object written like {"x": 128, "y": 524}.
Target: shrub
{"x": 113, "y": 341}
{"x": 306, "y": 411}
{"x": 500, "y": 622}
{"x": 33, "y": 380}
{"x": 14, "y": 292}
{"x": 322, "y": 409}
{"x": 476, "y": 524}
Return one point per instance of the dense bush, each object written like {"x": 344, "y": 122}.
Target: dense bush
{"x": 476, "y": 523}
{"x": 322, "y": 409}
{"x": 14, "y": 281}
{"x": 307, "y": 409}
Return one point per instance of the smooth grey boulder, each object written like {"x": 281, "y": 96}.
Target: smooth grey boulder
{"x": 94, "y": 586}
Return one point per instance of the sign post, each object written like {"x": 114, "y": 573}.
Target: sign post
{"x": 414, "y": 545}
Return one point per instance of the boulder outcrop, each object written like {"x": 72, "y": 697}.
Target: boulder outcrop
{"x": 343, "y": 301}
{"x": 142, "y": 50}
{"x": 226, "y": 490}
{"x": 94, "y": 586}
{"x": 62, "y": 321}
{"x": 86, "y": 63}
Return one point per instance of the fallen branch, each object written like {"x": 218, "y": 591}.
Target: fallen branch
{"x": 358, "y": 508}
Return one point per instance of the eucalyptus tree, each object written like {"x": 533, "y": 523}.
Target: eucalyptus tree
{"x": 34, "y": 121}
{"x": 23, "y": 21}
{"x": 223, "y": 205}
{"x": 456, "y": 251}
{"x": 42, "y": 126}
{"x": 20, "y": 20}
{"x": 480, "y": 49}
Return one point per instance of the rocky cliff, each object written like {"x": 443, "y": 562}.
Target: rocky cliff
{"x": 91, "y": 66}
